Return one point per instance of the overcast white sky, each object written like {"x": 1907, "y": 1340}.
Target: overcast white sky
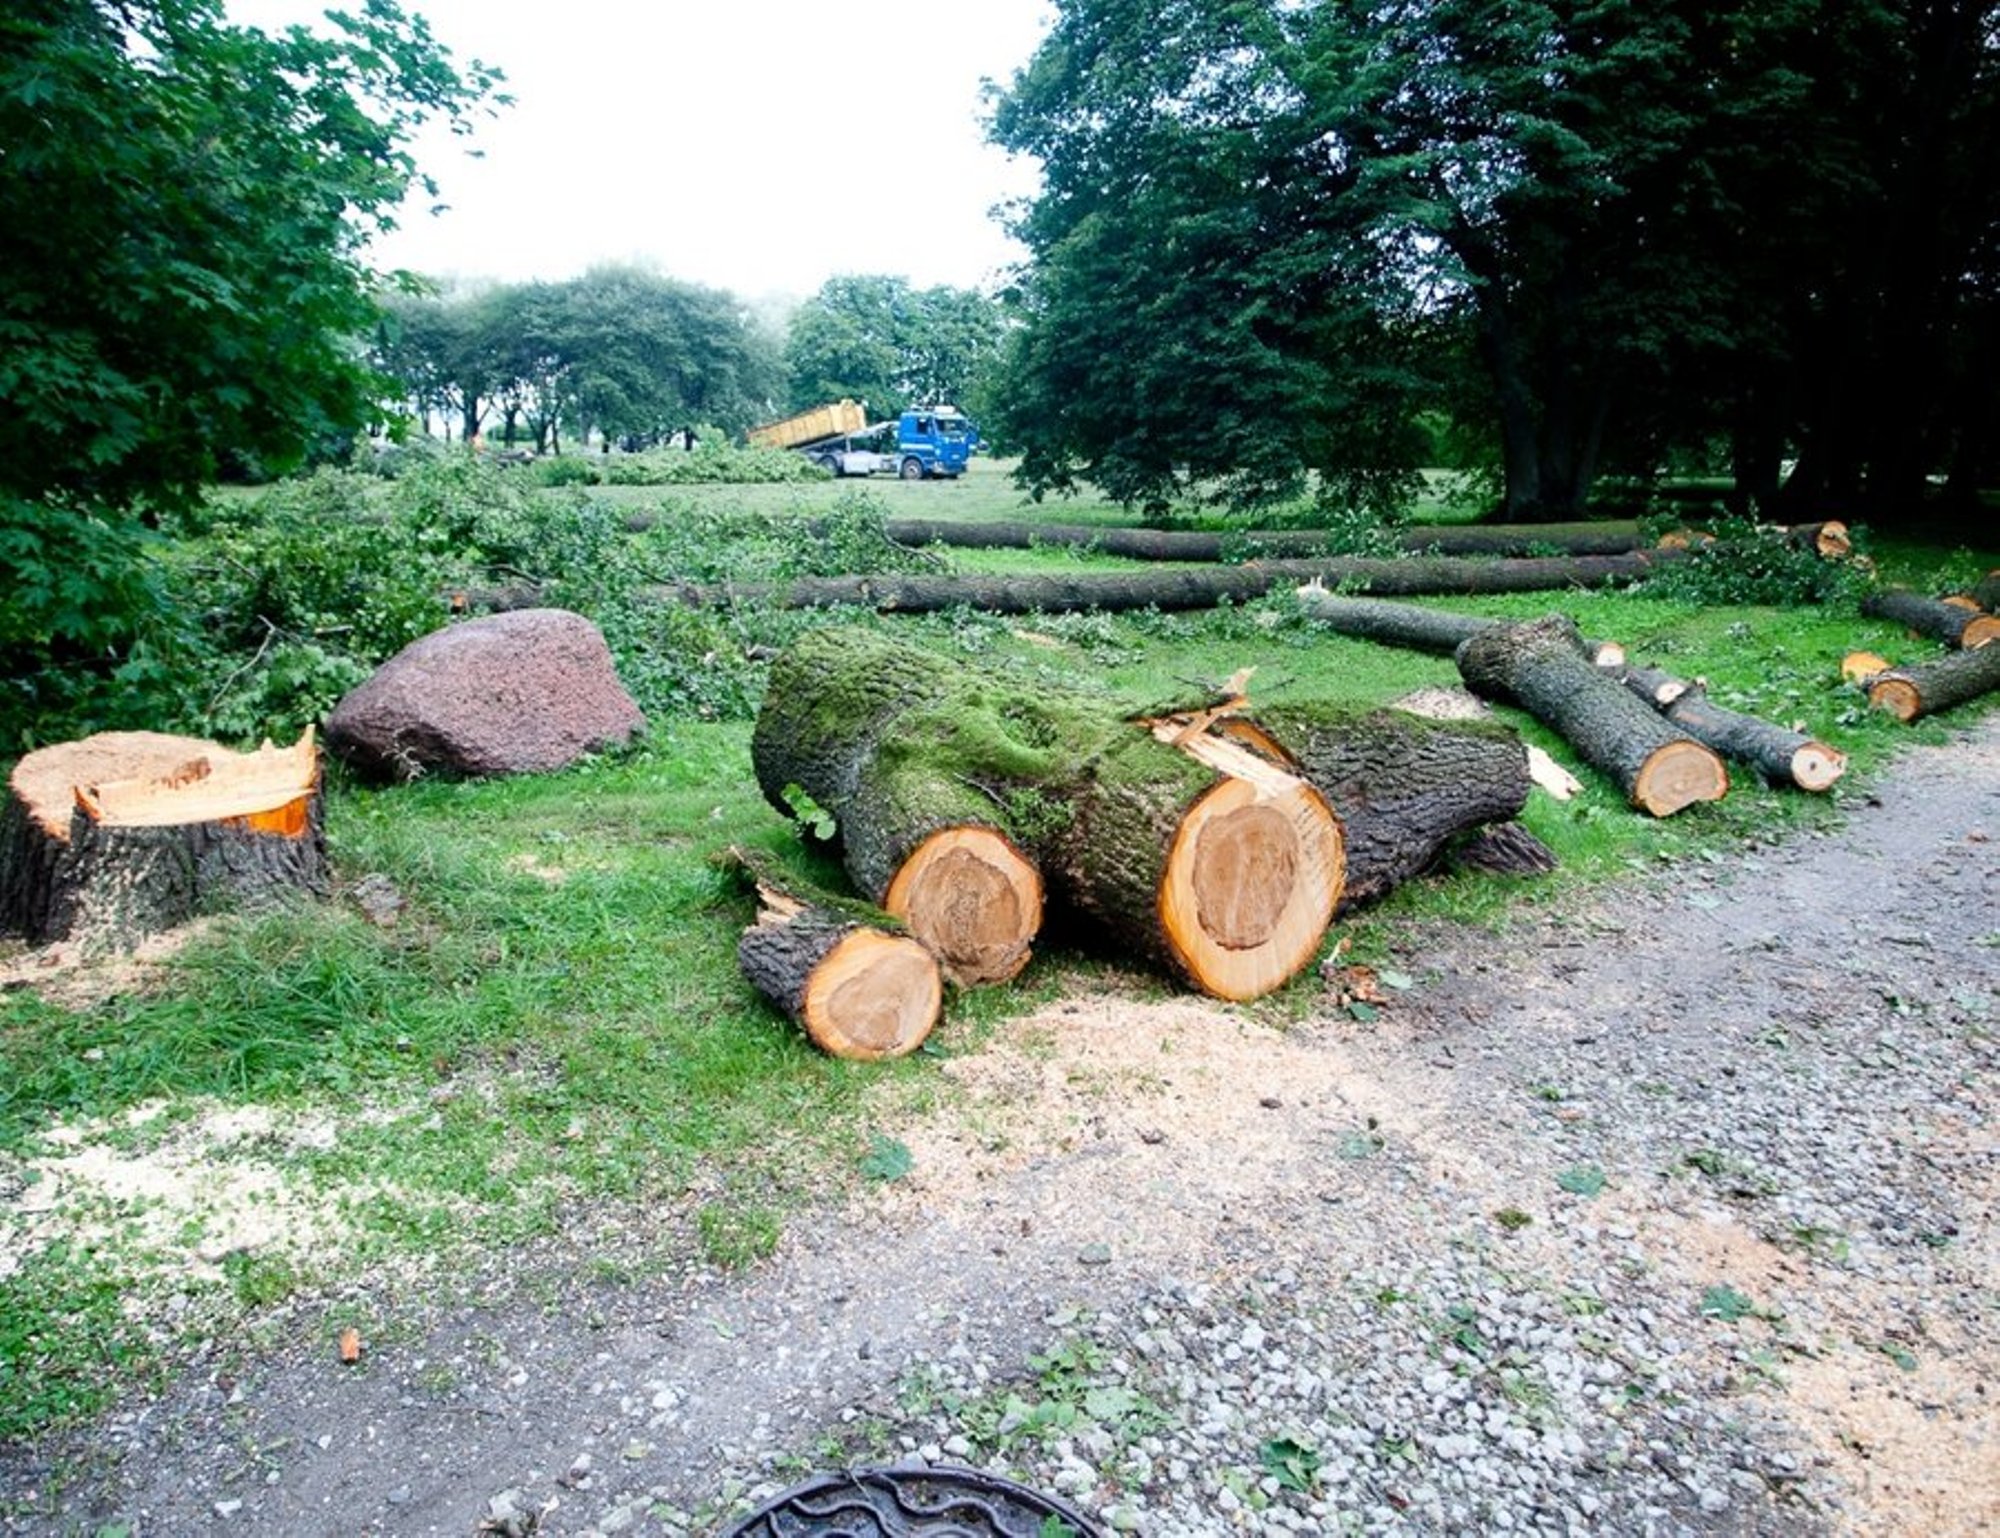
{"x": 756, "y": 145}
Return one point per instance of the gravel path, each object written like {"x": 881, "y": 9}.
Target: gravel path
{"x": 1670, "y": 1213}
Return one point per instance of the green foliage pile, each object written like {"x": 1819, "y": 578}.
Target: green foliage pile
{"x": 714, "y": 462}
{"x": 1753, "y": 563}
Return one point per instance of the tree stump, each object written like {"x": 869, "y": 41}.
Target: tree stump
{"x": 124, "y": 834}
{"x": 1541, "y": 666}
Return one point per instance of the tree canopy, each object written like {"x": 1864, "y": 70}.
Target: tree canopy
{"x": 184, "y": 206}
{"x": 1269, "y": 231}
{"x": 884, "y": 341}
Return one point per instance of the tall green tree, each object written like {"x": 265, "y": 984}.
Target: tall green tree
{"x": 184, "y": 206}
{"x": 884, "y": 341}
{"x": 1648, "y": 226}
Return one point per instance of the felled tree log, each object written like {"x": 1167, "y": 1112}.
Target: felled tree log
{"x": 1403, "y": 786}
{"x": 953, "y": 790}
{"x": 125, "y": 834}
{"x": 1986, "y": 592}
{"x": 1782, "y": 756}
{"x": 854, "y": 982}
{"x": 1927, "y": 688}
{"x": 1541, "y": 667}
{"x": 1195, "y": 588}
{"x": 1417, "y": 626}
{"x": 1610, "y": 538}
{"x": 1933, "y": 617}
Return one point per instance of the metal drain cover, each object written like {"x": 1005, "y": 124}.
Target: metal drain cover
{"x": 921, "y": 1502}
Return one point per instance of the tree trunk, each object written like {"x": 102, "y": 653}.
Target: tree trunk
{"x": 857, "y": 985}
{"x": 124, "y": 834}
{"x": 1541, "y": 666}
{"x": 1933, "y": 617}
{"x": 1986, "y": 592}
{"x": 1782, "y": 756}
{"x": 1403, "y": 786}
{"x": 1416, "y": 626}
{"x": 1619, "y": 537}
{"x": 1928, "y": 688}
{"x": 1196, "y": 588}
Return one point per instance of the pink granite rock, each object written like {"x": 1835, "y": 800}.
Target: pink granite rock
{"x": 516, "y": 693}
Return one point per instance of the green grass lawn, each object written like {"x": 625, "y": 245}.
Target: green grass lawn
{"x": 553, "y": 1042}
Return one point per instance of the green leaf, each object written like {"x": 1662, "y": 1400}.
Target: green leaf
{"x": 1581, "y": 1180}
{"x": 887, "y": 1159}
{"x": 1724, "y": 1302}
{"x": 1294, "y": 1464}
{"x": 1367, "y": 1014}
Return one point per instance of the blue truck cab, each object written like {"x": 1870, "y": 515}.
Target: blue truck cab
{"x": 934, "y": 441}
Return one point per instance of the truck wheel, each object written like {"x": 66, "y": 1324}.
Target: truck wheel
{"x": 830, "y": 462}
{"x": 913, "y": 469}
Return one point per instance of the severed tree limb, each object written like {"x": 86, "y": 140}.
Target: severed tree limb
{"x": 1782, "y": 756}
{"x": 1417, "y": 626}
{"x": 1541, "y": 666}
{"x": 851, "y": 978}
{"x": 1927, "y": 688}
{"x": 1932, "y": 617}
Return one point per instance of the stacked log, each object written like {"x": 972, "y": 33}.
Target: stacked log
{"x": 1542, "y": 667}
{"x": 125, "y": 834}
{"x": 1209, "y": 842}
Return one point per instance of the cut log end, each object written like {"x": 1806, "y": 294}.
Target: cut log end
{"x": 1677, "y": 775}
{"x": 1609, "y": 655}
{"x": 1982, "y": 631}
{"x": 972, "y": 897}
{"x": 1858, "y": 667}
{"x": 1833, "y": 541}
{"x": 1898, "y": 696}
{"x": 873, "y": 996}
{"x": 1816, "y": 766}
{"x": 1251, "y": 884}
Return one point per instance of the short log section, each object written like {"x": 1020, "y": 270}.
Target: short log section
{"x": 1909, "y": 693}
{"x": 124, "y": 834}
{"x": 1781, "y": 755}
{"x": 1937, "y": 618}
{"x": 1541, "y": 666}
{"x": 857, "y": 991}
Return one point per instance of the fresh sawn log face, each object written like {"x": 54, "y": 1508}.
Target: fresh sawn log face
{"x": 858, "y": 992}
{"x": 1541, "y": 666}
{"x": 125, "y": 834}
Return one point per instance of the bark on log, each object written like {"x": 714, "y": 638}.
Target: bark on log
{"x": 1782, "y": 756}
{"x": 856, "y": 984}
{"x": 1504, "y": 849}
{"x": 1195, "y": 588}
{"x": 1541, "y": 666}
{"x": 953, "y": 790}
{"x": 1927, "y": 688}
{"x": 125, "y": 834}
{"x": 1932, "y": 617}
{"x": 1986, "y": 592}
{"x": 1417, "y": 626}
{"x": 1403, "y": 786}
{"x": 1618, "y": 537}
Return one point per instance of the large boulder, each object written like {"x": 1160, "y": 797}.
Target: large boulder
{"x": 516, "y": 693}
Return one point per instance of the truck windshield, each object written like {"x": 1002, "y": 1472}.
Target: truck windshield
{"x": 951, "y": 427}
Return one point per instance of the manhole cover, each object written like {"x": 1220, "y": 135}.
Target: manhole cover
{"x": 918, "y": 1502}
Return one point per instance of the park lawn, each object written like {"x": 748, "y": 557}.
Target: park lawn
{"x": 552, "y": 1053}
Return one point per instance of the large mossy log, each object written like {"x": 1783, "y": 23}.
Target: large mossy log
{"x": 1417, "y": 626}
{"x": 1193, "y": 588}
{"x": 953, "y": 790}
{"x": 1541, "y": 666}
{"x": 1781, "y": 755}
{"x": 1950, "y": 623}
{"x": 1618, "y": 537}
{"x": 855, "y": 982}
{"x": 1927, "y": 688}
{"x": 1403, "y": 786}
{"x": 124, "y": 834}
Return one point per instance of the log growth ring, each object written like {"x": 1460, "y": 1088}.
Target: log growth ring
{"x": 974, "y": 899}
{"x": 1677, "y": 776}
{"x": 874, "y": 996}
{"x": 1251, "y": 884}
